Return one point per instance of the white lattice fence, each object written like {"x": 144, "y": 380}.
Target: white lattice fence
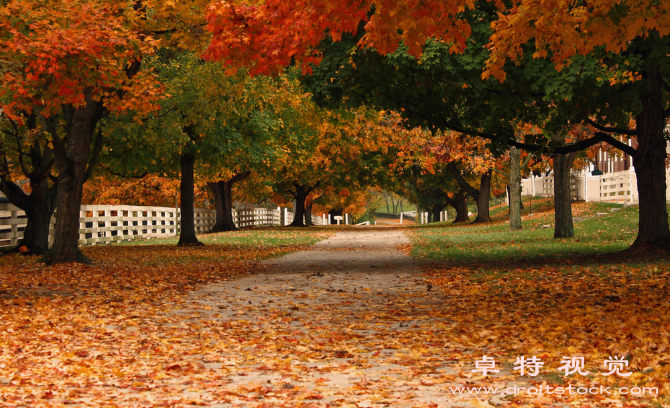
{"x": 110, "y": 223}
{"x": 615, "y": 187}
{"x": 100, "y": 224}
{"x": 12, "y": 222}
{"x": 548, "y": 186}
{"x": 256, "y": 217}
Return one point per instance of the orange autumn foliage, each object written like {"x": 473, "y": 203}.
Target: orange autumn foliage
{"x": 563, "y": 28}
{"x": 151, "y": 190}
{"x": 268, "y": 35}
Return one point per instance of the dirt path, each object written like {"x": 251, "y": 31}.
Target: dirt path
{"x": 350, "y": 322}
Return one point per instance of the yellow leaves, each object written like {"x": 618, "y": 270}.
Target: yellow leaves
{"x": 540, "y": 54}
{"x": 455, "y": 48}
{"x": 477, "y": 403}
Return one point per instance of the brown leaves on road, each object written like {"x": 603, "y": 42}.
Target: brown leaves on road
{"x": 165, "y": 326}
{"x": 76, "y": 334}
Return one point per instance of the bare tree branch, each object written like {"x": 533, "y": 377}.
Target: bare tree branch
{"x": 123, "y": 175}
{"x": 599, "y": 137}
{"x": 607, "y": 129}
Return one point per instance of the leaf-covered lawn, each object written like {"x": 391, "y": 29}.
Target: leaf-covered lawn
{"x": 144, "y": 327}
{"x": 528, "y": 294}
{"x": 69, "y": 328}
{"x": 261, "y": 237}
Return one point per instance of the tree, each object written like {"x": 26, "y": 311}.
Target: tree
{"x": 421, "y": 162}
{"x": 630, "y": 40}
{"x": 250, "y": 32}
{"x": 71, "y": 64}
{"x": 24, "y": 153}
{"x": 464, "y": 158}
{"x": 331, "y": 151}
{"x": 263, "y": 107}
{"x": 271, "y": 35}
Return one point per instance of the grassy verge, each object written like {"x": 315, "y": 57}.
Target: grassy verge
{"x": 250, "y": 238}
{"x": 511, "y": 294}
{"x": 467, "y": 244}
{"x": 155, "y": 267}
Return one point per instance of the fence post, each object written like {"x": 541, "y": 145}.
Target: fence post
{"x": 329, "y": 219}
{"x": 83, "y": 225}
{"x": 532, "y": 177}
{"x": 400, "y": 218}
{"x": 346, "y": 219}
{"x": 15, "y": 228}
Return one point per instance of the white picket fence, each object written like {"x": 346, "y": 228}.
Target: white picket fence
{"x": 103, "y": 224}
{"x": 615, "y": 187}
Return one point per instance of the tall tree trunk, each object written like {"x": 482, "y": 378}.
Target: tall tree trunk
{"x": 483, "y": 198}
{"x": 459, "y": 203}
{"x": 564, "y": 227}
{"x": 72, "y": 160}
{"x": 301, "y": 194}
{"x": 515, "y": 190}
{"x": 480, "y": 196}
{"x": 435, "y": 212}
{"x": 39, "y": 207}
{"x": 221, "y": 224}
{"x": 40, "y": 204}
{"x": 649, "y": 162}
{"x": 308, "y": 215}
{"x": 187, "y": 219}
{"x": 223, "y": 200}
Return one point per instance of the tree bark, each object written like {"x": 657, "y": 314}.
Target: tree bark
{"x": 223, "y": 200}
{"x": 187, "y": 220}
{"x": 480, "y": 196}
{"x": 39, "y": 207}
{"x": 563, "y": 227}
{"x": 649, "y": 163}
{"x": 459, "y": 203}
{"x": 72, "y": 160}
{"x": 483, "y": 198}
{"x": 515, "y": 190}
{"x": 301, "y": 194}
{"x": 435, "y": 212}
{"x": 308, "y": 215}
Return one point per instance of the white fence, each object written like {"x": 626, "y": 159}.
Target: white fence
{"x": 616, "y": 187}
{"x": 100, "y": 224}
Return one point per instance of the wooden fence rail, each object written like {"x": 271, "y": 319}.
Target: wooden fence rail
{"x": 103, "y": 224}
